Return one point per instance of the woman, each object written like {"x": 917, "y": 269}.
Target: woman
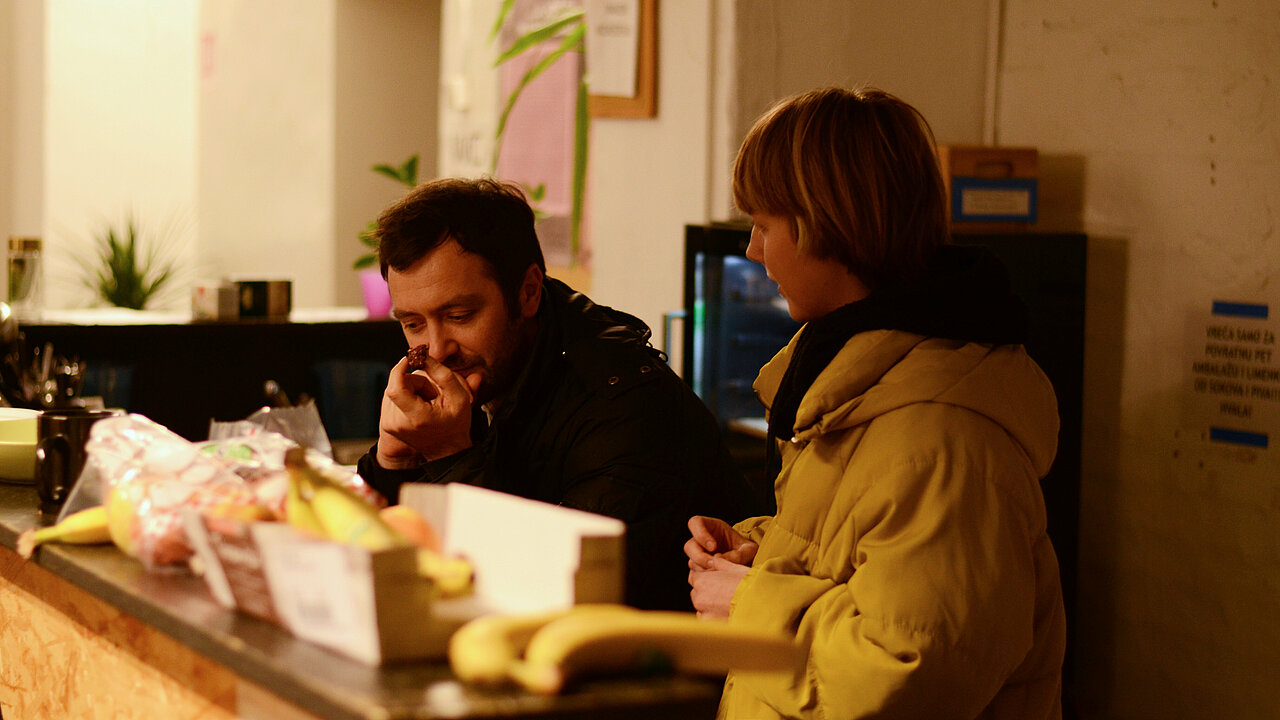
{"x": 910, "y": 429}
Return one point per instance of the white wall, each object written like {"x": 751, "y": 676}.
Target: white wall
{"x": 299, "y": 99}
{"x": 21, "y": 125}
{"x": 266, "y": 143}
{"x": 469, "y": 89}
{"x": 246, "y": 129}
{"x": 119, "y": 130}
{"x": 1162, "y": 119}
{"x": 7, "y": 144}
{"x": 648, "y": 177}
{"x": 387, "y": 79}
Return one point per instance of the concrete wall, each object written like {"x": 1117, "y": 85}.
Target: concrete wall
{"x": 1157, "y": 126}
{"x": 1159, "y": 121}
{"x": 720, "y": 65}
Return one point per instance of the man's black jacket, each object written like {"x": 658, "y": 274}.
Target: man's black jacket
{"x": 599, "y": 422}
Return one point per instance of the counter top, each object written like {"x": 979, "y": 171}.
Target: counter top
{"x": 124, "y": 316}
{"x": 311, "y": 678}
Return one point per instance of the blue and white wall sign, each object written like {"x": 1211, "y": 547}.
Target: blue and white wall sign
{"x": 1234, "y": 375}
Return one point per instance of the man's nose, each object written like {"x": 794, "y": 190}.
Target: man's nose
{"x": 440, "y": 344}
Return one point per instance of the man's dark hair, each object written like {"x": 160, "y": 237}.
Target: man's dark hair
{"x": 486, "y": 217}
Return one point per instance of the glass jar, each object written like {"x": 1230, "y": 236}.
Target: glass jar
{"x": 26, "y": 281}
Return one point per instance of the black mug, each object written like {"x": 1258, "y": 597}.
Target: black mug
{"x": 60, "y": 451}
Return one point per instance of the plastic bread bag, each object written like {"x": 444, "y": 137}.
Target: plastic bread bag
{"x": 299, "y": 423}
{"x": 257, "y": 456}
{"x": 149, "y": 475}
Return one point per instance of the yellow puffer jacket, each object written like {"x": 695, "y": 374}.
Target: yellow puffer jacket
{"x": 908, "y": 552}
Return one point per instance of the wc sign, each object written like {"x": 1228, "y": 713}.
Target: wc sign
{"x": 1234, "y": 372}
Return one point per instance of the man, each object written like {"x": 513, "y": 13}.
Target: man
{"x": 532, "y": 389}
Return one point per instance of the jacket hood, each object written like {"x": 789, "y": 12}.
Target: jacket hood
{"x": 879, "y": 371}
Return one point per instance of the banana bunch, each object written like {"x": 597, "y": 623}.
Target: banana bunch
{"x": 545, "y": 652}
{"x": 87, "y": 527}
{"x": 317, "y": 505}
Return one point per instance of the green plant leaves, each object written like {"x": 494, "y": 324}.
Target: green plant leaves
{"x": 406, "y": 174}
{"x": 569, "y": 18}
{"x": 581, "y": 126}
{"x": 122, "y": 273}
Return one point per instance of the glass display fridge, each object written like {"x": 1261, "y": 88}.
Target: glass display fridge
{"x": 734, "y": 322}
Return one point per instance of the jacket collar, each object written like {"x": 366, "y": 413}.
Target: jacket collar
{"x": 883, "y": 370}
{"x": 571, "y": 327}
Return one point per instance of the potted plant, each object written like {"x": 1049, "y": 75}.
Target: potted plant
{"x": 123, "y": 273}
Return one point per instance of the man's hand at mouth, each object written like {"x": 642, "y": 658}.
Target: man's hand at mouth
{"x": 426, "y": 414}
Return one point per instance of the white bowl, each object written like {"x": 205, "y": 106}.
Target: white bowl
{"x": 18, "y": 443}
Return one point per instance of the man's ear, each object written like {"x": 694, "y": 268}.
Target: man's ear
{"x": 530, "y": 295}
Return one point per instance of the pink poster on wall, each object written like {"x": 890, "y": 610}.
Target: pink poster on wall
{"x": 537, "y": 144}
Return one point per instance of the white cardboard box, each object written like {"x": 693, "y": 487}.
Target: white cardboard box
{"x": 374, "y": 607}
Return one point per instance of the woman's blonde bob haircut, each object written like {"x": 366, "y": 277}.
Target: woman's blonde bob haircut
{"x": 856, "y": 171}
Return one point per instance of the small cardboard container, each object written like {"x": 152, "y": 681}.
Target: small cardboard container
{"x": 265, "y": 299}
{"x": 989, "y": 189}
{"x": 215, "y": 302}
{"x": 528, "y": 556}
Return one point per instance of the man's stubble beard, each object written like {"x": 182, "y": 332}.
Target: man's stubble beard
{"x": 501, "y": 374}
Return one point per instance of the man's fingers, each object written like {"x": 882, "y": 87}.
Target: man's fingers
{"x": 448, "y": 382}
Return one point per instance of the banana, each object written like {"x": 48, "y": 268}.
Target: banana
{"x": 342, "y": 515}
{"x": 120, "y": 518}
{"x": 579, "y": 644}
{"x": 484, "y": 650}
{"x": 453, "y": 576}
{"x": 320, "y": 505}
{"x": 87, "y": 527}
{"x": 297, "y": 511}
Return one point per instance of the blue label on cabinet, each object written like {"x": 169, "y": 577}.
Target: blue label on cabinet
{"x": 985, "y": 200}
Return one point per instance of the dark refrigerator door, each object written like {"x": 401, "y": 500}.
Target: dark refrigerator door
{"x": 734, "y": 321}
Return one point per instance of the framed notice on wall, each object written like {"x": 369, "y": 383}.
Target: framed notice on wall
{"x": 622, "y": 56}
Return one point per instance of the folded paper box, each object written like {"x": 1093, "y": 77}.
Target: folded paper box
{"x": 376, "y": 608}
{"x": 990, "y": 189}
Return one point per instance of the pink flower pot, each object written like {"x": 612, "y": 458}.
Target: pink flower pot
{"x": 377, "y": 299}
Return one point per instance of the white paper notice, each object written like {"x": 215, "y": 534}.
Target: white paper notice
{"x": 1234, "y": 375}
{"x": 322, "y": 590}
{"x": 613, "y": 44}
